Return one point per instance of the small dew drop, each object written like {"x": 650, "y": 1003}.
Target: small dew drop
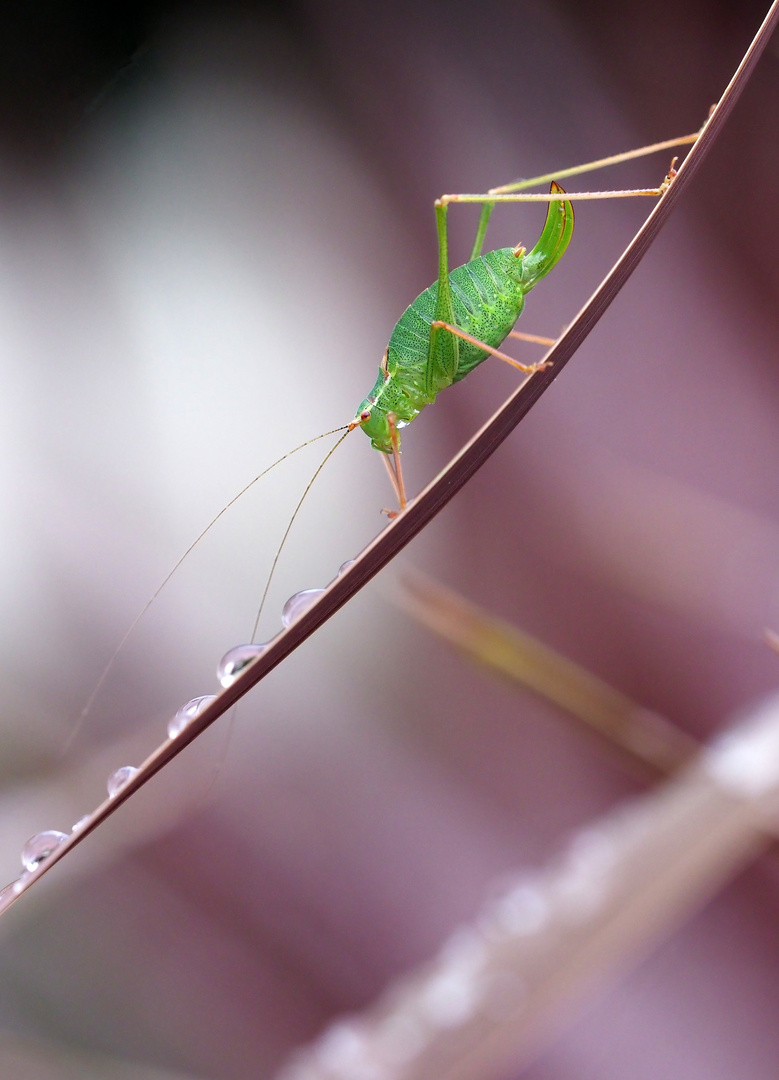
{"x": 342, "y": 1048}
{"x": 593, "y": 849}
{"x": 745, "y": 760}
{"x": 40, "y": 846}
{"x": 6, "y": 896}
{"x": 118, "y": 779}
{"x": 584, "y": 876}
{"x": 235, "y": 660}
{"x": 20, "y": 882}
{"x": 345, "y": 566}
{"x": 80, "y": 823}
{"x": 400, "y": 1038}
{"x": 10, "y": 892}
{"x": 187, "y": 714}
{"x": 524, "y": 910}
{"x": 297, "y": 604}
{"x": 449, "y": 999}
{"x": 464, "y": 952}
{"x": 176, "y": 725}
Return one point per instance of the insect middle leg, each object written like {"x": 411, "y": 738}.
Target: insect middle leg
{"x": 534, "y": 339}
{"x": 528, "y": 369}
{"x": 395, "y": 470}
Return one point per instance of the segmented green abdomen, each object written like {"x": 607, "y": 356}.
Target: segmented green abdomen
{"x": 487, "y": 300}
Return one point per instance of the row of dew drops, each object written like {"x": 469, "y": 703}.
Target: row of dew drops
{"x": 40, "y": 846}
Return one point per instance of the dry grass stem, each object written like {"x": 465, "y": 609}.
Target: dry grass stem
{"x": 649, "y": 742}
{"x": 443, "y": 488}
{"x": 497, "y": 991}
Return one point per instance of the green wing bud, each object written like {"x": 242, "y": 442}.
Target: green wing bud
{"x": 554, "y": 239}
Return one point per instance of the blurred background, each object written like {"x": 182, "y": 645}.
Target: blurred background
{"x": 211, "y": 216}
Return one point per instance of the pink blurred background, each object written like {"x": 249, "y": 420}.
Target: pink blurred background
{"x": 210, "y": 219}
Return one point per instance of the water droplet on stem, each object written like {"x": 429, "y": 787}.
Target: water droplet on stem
{"x": 235, "y": 660}
{"x": 297, "y": 604}
{"x": 118, "y": 779}
{"x": 40, "y": 846}
{"x": 187, "y": 714}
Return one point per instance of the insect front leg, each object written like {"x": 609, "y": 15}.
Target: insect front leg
{"x": 395, "y": 470}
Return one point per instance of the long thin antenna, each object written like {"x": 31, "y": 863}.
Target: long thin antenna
{"x": 112, "y": 660}
{"x": 288, "y": 529}
{"x": 277, "y": 556}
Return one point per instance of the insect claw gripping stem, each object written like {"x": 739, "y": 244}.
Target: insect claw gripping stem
{"x": 670, "y": 176}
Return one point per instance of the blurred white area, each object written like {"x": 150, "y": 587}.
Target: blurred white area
{"x": 205, "y": 294}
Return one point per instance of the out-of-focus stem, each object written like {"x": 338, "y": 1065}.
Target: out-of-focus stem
{"x": 648, "y": 739}
{"x": 499, "y": 988}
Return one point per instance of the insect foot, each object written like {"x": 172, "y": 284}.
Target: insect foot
{"x": 669, "y": 178}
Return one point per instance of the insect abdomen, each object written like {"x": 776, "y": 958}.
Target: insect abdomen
{"x": 487, "y": 300}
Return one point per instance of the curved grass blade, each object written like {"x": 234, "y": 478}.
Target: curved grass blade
{"x": 449, "y": 481}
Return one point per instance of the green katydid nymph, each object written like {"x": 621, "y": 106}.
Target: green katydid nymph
{"x": 452, "y": 327}
{"x": 467, "y": 314}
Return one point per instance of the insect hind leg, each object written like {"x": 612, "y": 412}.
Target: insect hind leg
{"x": 508, "y": 192}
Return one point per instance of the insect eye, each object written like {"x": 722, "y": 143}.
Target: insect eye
{"x": 365, "y": 414}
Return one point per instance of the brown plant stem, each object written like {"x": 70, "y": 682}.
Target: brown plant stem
{"x": 460, "y": 469}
